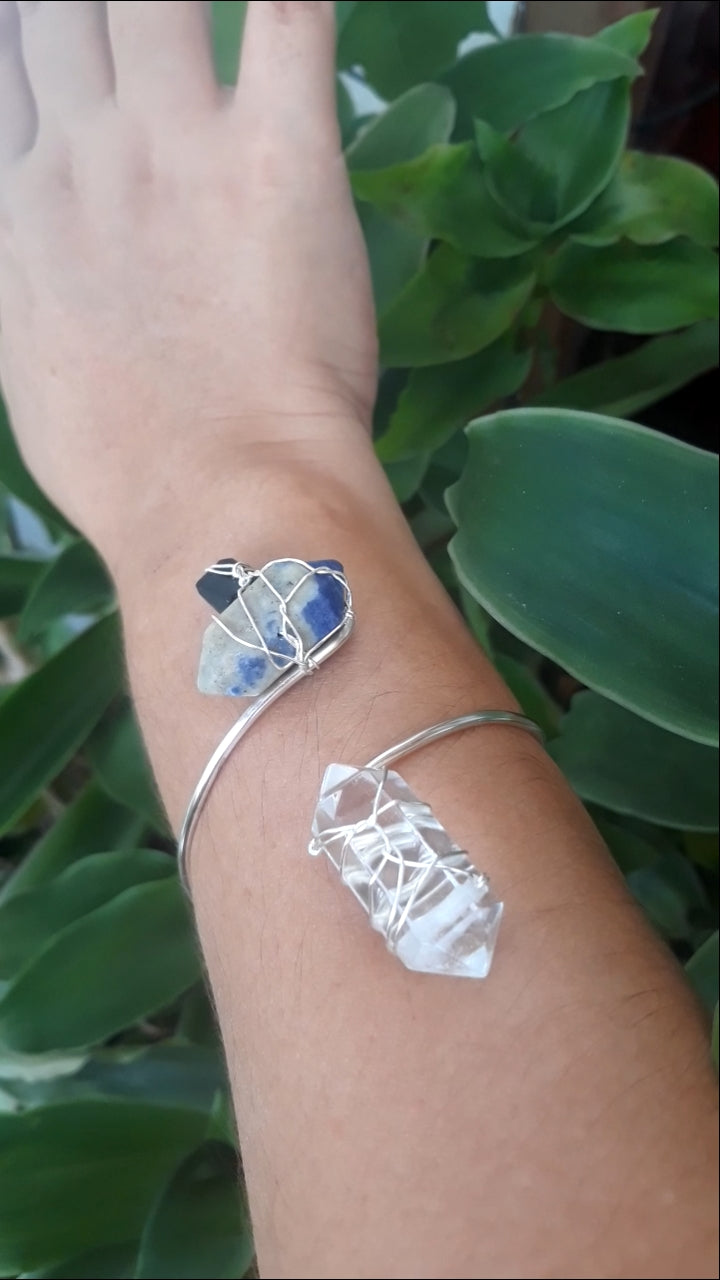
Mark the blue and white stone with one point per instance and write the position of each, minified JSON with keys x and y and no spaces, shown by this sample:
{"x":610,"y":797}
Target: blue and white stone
{"x":260,"y":637}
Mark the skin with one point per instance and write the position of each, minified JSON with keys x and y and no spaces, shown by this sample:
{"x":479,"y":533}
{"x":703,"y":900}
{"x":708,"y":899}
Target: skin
{"x":187,"y":351}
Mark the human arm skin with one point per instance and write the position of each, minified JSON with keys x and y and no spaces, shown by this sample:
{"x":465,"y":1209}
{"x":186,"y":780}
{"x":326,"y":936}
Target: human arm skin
{"x":191,"y":274}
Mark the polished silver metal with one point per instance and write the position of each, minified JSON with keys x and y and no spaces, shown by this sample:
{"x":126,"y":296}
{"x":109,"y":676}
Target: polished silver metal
{"x":305,"y":663}
{"x":445,"y":727}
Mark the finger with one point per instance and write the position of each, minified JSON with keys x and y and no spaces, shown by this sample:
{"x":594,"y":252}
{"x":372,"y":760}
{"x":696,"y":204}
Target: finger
{"x":161,"y":51}
{"x":18,"y":117}
{"x":67,"y":55}
{"x":287,"y":71}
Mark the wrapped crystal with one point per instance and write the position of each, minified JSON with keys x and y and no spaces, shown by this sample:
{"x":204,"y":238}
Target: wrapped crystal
{"x":273,"y":621}
{"x":421,"y":892}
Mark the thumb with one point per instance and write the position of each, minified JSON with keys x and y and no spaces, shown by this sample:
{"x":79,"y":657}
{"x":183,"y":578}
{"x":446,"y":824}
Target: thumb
{"x":286,"y":83}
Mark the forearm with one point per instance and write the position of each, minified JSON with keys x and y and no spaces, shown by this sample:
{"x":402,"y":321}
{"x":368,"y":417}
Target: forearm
{"x":393,"y":1123}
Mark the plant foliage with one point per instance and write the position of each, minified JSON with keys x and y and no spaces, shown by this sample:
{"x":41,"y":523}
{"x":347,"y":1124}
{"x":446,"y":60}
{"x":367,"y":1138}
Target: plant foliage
{"x":496,"y":190}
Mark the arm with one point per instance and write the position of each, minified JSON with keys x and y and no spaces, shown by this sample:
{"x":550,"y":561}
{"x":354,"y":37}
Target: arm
{"x":204,"y":294}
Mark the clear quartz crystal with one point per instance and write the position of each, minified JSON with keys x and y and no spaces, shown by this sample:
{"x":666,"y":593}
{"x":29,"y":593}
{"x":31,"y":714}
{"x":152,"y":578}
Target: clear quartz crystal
{"x":435,"y":911}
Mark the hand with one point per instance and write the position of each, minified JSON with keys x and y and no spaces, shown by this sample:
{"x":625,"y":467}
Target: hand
{"x":183,"y":283}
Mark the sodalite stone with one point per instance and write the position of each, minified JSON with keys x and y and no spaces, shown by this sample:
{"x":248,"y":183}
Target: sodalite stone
{"x":242,"y":668}
{"x":218,"y":589}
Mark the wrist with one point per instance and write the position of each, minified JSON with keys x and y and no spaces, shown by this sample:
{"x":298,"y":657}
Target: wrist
{"x":269,"y":493}
{"x":254,"y":502}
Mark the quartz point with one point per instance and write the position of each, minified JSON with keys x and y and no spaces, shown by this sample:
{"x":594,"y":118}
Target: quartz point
{"x":436,"y":912}
{"x":273,"y":622}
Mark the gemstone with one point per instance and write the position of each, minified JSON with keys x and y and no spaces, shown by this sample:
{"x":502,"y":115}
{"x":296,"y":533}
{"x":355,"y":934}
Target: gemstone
{"x":421,"y":892}
{"x":219,"y":588}
{"x":275,"y":621}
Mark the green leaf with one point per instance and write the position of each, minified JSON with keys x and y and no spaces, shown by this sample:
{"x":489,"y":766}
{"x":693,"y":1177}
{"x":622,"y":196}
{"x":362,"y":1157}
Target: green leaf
{"x":443,"y":195}
{"x":630,"y":851}
{"x":76,"y":581}
{"x":198,"y":1227}
{"x":167,"y":1074}
{"x":143,"y":956}
{"x":91,"y":824}
{"x":631,"y":34}
{"x":114,"y":1261}
{"x":663,"y":899}
{"x":406,"y":475}
{"x":29,"y":921}
{"x":455,"y":306}
{"x":507,"y":83}
{"x":395,"y":255}
{"x":623,"y":386}
{"x":438,"y":401}
{"x":534,"y":700}
{"x":421,"y":117}
{"x":76,"y":1176}
{"x":117,"y":754}
{"x":636,"y":288}
{"x":18,"y":575}
{"x":592,"y":540}
{"x":400,"y":45}
{"x":227,"y":22}
{"x":46,"y":718}
{"x":702,"y":970}
{"x":15,"y":476}
{"x":614,"y":758}
{"x":558,"y":162}
{"x":651,"y":199}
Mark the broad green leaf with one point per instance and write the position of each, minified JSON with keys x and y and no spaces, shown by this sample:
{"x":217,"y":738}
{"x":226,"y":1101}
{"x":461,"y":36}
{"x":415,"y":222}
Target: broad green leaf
{"x":507,"y":83}
{"x":651,"y":199}
{"x":661,"y":891}
{"x":406,"y":475}
{"x":395,"y":255}
{"x":636,"y":288}
{"x":631,"y":34}
{"x":438,"y":401}
{"x":15,"y":476}
{"x":76,"y":581}
{"x":443,"y":195}
{"x":198,"y":1227}
{"x":18,"y":575}
{"x":702,"y":970}
{"x":703,"y":848}
{"x":559,"y":161}
{"x":630,"y":851}
{"x":623,"y":386}
{"x":455,"y":306}
{"x":592,"y":540}
{"x":227,"y":22}
{"x":167,"y":1074}
{"x":534,"y":700}
{"x":343,"y":10}
{"x":91,"y":824}
{"x":29,"y":921}
{"x":143,"y":956}
{"x":614,"y":758}
{"x":110,"y":1262}
{"x":76,"y":1176}
{"x":400,"y":45}
{"x":46,"y":718}
{"x":117,"y":754}
{"x":420,"y":118}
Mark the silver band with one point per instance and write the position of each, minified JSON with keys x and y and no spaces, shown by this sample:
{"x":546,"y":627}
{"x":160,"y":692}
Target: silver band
{"x":209,"y":774}
{"x":436,"y":731}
